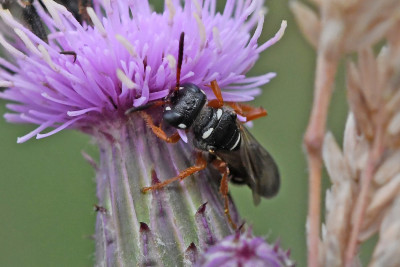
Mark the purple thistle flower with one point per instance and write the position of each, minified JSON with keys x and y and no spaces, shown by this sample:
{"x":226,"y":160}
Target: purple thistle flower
{"x":126,"y":56}
{"x":245,"y":250}
{"x":126,"y":60}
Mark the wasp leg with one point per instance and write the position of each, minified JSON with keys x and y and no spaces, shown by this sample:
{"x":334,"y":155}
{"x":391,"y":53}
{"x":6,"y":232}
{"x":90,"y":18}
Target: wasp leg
{"x":222,"y":167}
{"x":224,"y":190}
{"x":251,"y":113}
{"x":157,"y":130}
{"x":201,"y":164}
{"x":219,"y":101}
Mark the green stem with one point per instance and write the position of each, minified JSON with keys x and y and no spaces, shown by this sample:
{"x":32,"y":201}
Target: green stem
{"x":156,"y":228}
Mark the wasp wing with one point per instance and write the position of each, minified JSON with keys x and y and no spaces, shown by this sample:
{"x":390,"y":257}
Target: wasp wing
{"x":261,"y":167}
{"x":251,"y":164}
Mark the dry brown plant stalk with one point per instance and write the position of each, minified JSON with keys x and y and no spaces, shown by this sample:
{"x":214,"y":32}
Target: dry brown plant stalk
{"x":365,"y":192}
{"x":336,"y":28}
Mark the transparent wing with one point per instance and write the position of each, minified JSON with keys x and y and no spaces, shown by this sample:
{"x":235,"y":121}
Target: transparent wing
{"x":262,"y":170}
{"x":254,"y":166}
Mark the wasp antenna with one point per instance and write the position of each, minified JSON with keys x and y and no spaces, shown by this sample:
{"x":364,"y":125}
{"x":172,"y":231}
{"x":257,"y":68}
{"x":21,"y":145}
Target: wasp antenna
{"x":180,"y":59}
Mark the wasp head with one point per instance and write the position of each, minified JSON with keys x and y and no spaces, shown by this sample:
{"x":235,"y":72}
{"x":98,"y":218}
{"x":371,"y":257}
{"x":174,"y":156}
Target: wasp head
{"x":184,"y":106}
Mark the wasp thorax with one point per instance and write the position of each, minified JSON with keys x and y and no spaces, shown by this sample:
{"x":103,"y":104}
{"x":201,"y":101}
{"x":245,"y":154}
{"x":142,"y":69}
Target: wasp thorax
{"x":185,"y":106}
{"x":216,"y":129}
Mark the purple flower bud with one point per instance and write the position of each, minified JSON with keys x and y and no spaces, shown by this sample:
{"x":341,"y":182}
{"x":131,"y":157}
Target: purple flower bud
{"x":245,"y":250}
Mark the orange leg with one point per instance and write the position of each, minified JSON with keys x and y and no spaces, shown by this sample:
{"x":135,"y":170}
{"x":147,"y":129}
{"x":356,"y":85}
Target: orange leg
{"x":251,"y":113}
{"x":222,"y":167}
{"x":157,"y":130}
{"x":224,"y":190}
{"x":201,"y":164}
{"x":219,"y":102}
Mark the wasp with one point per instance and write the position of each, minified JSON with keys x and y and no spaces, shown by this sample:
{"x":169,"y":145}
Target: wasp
{"x":218,"y":137}
{"x":34,"y":22}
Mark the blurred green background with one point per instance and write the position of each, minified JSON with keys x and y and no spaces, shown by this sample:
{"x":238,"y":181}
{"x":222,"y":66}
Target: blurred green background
{"x":47,"y":190}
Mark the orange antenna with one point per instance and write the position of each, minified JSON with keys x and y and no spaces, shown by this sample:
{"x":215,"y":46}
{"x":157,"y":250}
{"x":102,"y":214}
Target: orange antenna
{"x":180,"y":59}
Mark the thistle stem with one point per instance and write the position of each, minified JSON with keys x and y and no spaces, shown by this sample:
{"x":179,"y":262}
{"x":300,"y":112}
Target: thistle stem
{"x":325,"y":75}
{"x":136,"y":229}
